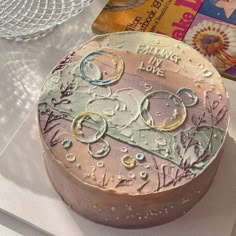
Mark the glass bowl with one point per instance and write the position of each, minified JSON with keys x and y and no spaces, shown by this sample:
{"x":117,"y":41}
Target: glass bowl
{"x":27,"y":19}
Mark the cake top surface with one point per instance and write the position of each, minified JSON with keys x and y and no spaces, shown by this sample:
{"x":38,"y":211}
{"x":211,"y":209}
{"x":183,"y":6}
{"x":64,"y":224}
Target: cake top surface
{"x":134,"y":113}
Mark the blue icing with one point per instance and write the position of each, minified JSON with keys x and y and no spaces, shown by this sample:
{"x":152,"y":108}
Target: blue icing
{"x":67,"y":143}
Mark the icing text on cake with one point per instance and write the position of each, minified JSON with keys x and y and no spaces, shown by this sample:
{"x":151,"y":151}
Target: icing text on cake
{"x":158,"y":52}
{"x":153,"y":66}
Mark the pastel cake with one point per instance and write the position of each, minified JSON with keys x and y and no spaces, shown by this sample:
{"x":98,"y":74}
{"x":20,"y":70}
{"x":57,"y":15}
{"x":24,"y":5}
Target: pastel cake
{"x":133,"y":126}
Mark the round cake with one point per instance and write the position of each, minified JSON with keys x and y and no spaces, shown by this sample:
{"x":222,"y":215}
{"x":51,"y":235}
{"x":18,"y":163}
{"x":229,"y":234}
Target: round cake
{"x":133,"y":126}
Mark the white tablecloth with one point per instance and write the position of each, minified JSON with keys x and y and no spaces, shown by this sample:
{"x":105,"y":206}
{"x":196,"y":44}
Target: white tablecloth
{"x":28,"y":203}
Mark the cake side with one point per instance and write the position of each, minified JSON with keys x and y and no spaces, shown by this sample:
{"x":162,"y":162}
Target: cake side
{"x":130,"y":212}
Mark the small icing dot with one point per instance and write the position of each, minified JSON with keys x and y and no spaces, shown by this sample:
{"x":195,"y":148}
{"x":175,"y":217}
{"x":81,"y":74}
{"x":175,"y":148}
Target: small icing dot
{"x":100,"y":164}
{"x":140,"y":218}
{"x":113,"y":209}
{"x":70,"y":157}
{"x":112,"y":179}
{"x":117,"y":217}
{"x":143,"y":174}
{"x":140,"y":156}
{"x":86,"y":175}
{"x":167,"y":104}
{"x":78,"y":166}
{"x":206,"y":73}
{"x":147,"y":166}
{"x":124,"y":149}
{"x":129,"y":208}
{"x":131,"y":175}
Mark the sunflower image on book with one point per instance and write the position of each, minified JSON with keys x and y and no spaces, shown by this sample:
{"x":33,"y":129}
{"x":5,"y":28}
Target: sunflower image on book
{"x":216,"y":41}
{"x":123,"y":4}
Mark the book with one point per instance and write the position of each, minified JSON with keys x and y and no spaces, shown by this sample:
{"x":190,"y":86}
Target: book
{"x":209,"y":26}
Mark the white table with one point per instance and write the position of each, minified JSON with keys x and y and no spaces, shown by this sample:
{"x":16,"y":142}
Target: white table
{"x":28,"y":203}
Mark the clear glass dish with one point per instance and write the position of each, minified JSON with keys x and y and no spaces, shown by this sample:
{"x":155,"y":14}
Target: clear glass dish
{"x":27,"y":19}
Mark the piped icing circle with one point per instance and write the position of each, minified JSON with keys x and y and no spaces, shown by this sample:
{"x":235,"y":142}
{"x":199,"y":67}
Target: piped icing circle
{"x":133,"y":114}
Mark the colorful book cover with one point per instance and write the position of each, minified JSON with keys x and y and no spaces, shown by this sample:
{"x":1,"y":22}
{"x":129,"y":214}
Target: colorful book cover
{"x":209,"y":26}
{"x":170,"y":17}
{"x":213,"y":33}
{"x":216,"y":40}
{"x":224,"y":10}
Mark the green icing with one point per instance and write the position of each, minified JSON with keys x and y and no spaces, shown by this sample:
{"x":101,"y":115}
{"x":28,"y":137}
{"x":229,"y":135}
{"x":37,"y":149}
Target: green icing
{"x":192,"y":148}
